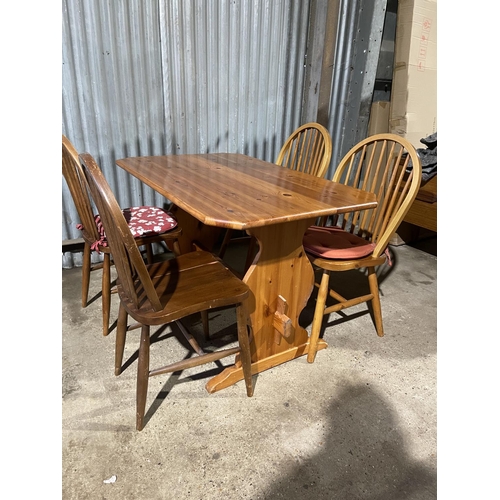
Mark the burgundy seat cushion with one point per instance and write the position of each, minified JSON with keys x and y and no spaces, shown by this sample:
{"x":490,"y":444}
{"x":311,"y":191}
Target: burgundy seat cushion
{"x":335,"y":243}
{"x":142,"y":221}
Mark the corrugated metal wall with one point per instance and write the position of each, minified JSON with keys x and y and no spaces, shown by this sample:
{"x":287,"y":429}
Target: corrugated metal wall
{"x":359,"y":38}
{"x":191,"y":76}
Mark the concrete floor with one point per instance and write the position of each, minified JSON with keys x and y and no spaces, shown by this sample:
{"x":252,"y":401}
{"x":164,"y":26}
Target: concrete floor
{"x":359,"y":423}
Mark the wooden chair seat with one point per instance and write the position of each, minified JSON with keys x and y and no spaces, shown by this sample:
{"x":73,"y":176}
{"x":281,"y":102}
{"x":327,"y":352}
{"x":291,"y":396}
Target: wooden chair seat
{"x":174,"y":281}
{"x":163,"y":292}
{"x":347,"y":264}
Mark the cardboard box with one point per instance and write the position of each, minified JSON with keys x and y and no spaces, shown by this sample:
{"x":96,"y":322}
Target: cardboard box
{"x":413,"y":113}
{"x":379,"y":118}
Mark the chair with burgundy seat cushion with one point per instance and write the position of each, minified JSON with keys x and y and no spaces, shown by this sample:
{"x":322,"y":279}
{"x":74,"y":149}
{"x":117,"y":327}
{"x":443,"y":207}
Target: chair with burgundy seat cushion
{"x":148,"y":224}
{"x":166,"y":292}
{"x":359,"y":240}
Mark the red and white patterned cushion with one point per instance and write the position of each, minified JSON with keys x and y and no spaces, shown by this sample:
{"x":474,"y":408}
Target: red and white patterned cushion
{"x":142,"y":221}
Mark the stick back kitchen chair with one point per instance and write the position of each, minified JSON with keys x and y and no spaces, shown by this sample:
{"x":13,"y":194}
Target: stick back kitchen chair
{"x":379,"y":164}
{"x":149,"y":224}
{"x":308,"y":149}
{"x":164,"y":292}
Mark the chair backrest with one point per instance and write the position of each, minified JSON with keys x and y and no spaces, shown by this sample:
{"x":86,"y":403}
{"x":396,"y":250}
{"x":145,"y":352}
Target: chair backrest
{"x":308,"y":150}
{"x":77,"y":184}
{"x":129,"y":264}
{"x":379,"y":164}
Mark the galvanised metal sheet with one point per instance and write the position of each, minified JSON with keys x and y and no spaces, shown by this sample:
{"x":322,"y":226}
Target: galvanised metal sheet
{"x":233,"y":74}
{"x":358,"y":43}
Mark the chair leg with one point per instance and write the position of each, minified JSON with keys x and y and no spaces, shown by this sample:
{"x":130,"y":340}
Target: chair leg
{"x":250,"y":253}
{"x":142,"y":377}
{"x":106,"y":293}
{"x":225,"y":243}
{"x":377,"y":309}
{"x":176,"y":248}
{"x":121,"y":334}
{"x":204,"y":321}
{"x":246,"y":359}
{"x":86,"y":265}
{"x":149,"y":253}
{"x":318,"y":316}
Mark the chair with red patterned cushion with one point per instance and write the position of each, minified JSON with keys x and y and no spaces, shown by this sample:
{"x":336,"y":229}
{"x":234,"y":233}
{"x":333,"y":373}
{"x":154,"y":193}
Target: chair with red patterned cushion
{"x":166,"y":292}
{"x":148,"y":225}
{"x":359,"y":240}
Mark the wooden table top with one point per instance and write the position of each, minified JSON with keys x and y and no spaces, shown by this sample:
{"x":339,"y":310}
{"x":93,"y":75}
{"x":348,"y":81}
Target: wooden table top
{"x":240,"y":192}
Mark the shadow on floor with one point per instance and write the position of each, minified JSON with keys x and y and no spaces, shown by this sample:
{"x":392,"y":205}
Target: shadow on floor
{"x":363,"y":457}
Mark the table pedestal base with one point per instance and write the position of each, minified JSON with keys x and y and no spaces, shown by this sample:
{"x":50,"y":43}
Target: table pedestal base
{"x":234,"y":373}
